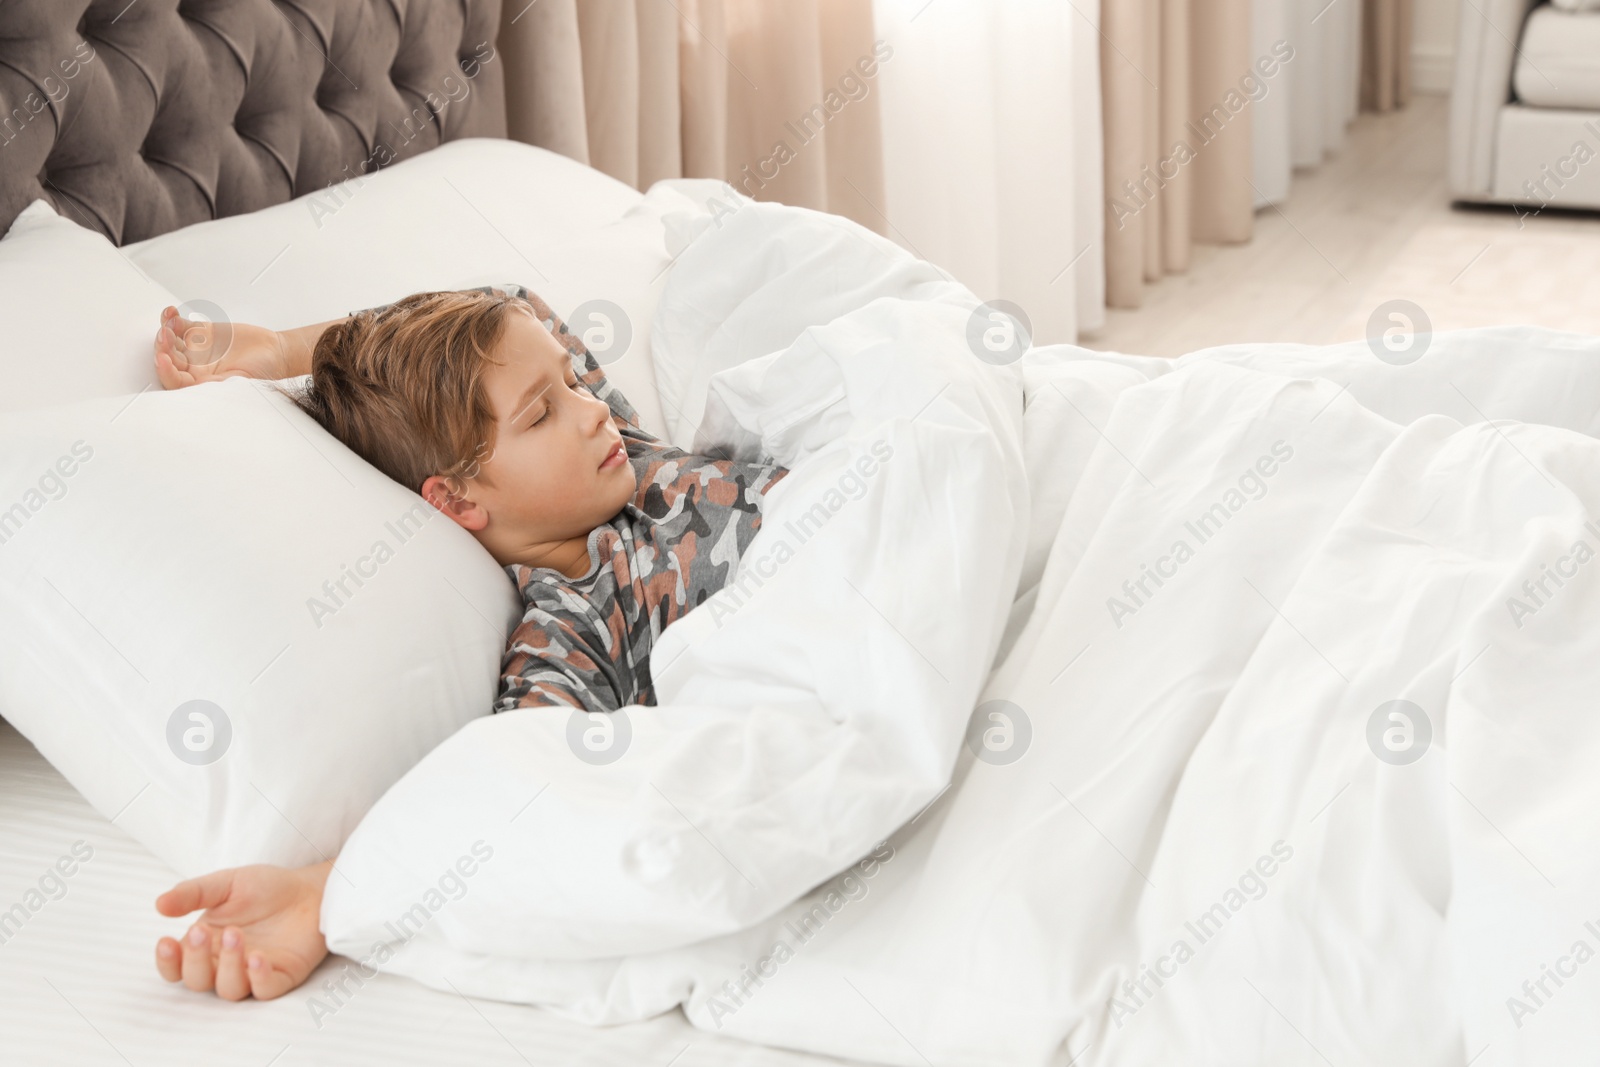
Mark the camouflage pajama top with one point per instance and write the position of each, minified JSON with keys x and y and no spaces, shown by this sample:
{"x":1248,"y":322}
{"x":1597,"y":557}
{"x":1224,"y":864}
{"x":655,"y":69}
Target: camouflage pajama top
{"x":586,"y":642}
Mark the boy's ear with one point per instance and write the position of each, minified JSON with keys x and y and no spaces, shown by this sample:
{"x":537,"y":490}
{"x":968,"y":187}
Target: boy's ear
{"x":440,"y":492}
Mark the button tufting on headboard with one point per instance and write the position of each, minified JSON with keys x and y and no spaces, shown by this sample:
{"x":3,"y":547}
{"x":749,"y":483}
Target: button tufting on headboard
{"x":138,"y":118}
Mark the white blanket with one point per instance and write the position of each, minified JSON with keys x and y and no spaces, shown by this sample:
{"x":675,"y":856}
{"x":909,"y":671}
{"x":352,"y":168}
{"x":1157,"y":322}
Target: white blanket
{"x":1200,"y":831}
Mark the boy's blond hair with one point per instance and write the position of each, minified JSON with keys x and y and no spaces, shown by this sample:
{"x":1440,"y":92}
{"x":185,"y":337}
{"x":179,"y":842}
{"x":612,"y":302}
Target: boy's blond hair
{"x":402,"y":386}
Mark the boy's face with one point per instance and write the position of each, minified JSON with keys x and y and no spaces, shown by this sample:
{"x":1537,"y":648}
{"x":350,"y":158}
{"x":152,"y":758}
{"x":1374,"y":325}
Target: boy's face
{"x":546,"y":480}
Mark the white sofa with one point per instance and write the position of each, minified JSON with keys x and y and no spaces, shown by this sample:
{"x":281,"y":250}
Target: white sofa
{"x":1525,"y":106}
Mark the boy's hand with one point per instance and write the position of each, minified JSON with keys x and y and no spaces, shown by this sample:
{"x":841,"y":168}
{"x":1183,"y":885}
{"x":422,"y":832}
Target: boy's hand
{"x":260,"y":933}
{"x":189,"y":352}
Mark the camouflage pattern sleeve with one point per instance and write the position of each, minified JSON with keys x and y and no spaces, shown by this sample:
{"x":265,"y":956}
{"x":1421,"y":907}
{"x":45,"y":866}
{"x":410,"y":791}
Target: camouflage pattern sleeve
{"x":548,"y":662}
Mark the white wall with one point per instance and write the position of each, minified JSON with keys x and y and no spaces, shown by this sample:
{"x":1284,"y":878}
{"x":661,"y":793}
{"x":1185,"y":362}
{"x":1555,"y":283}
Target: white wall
{"x":1433,"y":45}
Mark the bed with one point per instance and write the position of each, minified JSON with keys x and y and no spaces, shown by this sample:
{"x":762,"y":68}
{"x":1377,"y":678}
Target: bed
{"x":1248,"y":721}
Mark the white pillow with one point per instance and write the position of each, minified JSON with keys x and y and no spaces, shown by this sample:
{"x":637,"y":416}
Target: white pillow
{"x":79,"y":315}
{"x":471,"y":212}
{"x":215,"y":544}
{"x":1577,"y":5}
{"x":479,"y":206}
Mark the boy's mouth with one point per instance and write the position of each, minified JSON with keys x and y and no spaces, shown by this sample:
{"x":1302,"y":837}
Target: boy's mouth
{"x":615,"y":457}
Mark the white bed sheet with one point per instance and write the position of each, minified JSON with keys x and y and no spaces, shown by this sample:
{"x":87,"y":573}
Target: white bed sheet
{"x":78,"y":983}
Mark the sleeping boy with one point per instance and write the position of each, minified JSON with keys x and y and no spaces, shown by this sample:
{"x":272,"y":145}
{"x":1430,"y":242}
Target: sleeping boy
{"x":487,"y":406}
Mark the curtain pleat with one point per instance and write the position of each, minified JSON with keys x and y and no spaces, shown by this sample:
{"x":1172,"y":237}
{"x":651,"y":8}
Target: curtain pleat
{"x":1177,"y":169}
{"x":544,"y":76}
{"x":660,"y":105}
{"x":775,"y":60}
{"x":703,"y":87}
{"x":991,"y":147}
{"x":1156,"y":87}
{"x":1176,"y":205}
{"x":1220,"y":58}
{"x":1123,"y":83}
{"x":608,"y":36}
{"x":1386,"y":54}
{"x":803,"y":123}
{"x":1088,"y":171}
{"x":855,"y":185}
{"x":1270,"y":118}
{"x":1349,"y":56}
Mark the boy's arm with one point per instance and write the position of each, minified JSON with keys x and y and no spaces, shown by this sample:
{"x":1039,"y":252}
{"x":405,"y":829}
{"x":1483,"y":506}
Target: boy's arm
{"x":192,"y":351}
{"x":300,"y":342}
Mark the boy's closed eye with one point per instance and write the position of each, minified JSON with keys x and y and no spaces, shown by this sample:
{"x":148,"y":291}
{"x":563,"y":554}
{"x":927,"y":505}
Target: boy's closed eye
{"x":545,"y":413}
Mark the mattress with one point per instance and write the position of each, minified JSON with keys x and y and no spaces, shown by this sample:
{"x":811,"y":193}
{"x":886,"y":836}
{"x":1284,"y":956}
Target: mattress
{"x":1558,"y":61}
{"x":78,"y":983}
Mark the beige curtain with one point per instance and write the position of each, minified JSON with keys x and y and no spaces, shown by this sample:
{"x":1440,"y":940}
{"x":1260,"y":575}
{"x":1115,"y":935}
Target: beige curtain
{"x":1386,"y":54}
{"x":774,"y":98}
{"x":1177,"y":135}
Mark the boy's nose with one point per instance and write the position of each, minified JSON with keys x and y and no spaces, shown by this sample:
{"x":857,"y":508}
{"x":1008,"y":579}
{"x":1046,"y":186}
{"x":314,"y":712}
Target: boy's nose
{"x":602,"y":411}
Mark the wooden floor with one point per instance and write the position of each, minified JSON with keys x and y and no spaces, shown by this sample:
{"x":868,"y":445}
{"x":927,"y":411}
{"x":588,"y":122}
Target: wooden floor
{"x":1371,"y":224}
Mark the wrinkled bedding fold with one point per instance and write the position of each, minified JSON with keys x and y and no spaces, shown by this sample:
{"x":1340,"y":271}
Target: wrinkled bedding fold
{"x":1295,"y":727}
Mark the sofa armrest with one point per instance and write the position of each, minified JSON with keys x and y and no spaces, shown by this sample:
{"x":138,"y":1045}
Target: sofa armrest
{"x":1486,"y":48}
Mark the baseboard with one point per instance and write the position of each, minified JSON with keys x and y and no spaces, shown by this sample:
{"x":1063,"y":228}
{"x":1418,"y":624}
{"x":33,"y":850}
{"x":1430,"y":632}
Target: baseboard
{"x":1432,"y":68}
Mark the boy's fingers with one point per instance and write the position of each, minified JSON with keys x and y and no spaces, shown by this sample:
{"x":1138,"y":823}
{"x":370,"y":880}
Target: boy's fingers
{"x":174,"y":345}
{"x":232,"y":984}
{"x":199,"y":972}
{"x":169,"y":959}
{"x":207,"y":891}
{"x":266,"y":981}
{"x":196,"y":341}
{"x":170,"y":376}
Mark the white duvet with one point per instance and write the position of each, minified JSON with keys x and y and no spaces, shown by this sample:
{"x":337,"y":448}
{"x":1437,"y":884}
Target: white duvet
{"x":1183,"y":598}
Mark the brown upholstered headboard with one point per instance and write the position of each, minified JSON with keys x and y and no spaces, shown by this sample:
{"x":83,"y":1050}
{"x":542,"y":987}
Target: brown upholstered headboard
{"x":136,"y":117}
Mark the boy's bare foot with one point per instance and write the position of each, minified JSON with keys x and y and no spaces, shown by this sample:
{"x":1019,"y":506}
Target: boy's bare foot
{"x":260,"y":934}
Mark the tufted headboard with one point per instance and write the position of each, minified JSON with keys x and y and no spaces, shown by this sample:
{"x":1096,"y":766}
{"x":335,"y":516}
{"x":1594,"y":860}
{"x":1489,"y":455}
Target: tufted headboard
{"x":136,"y":117}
